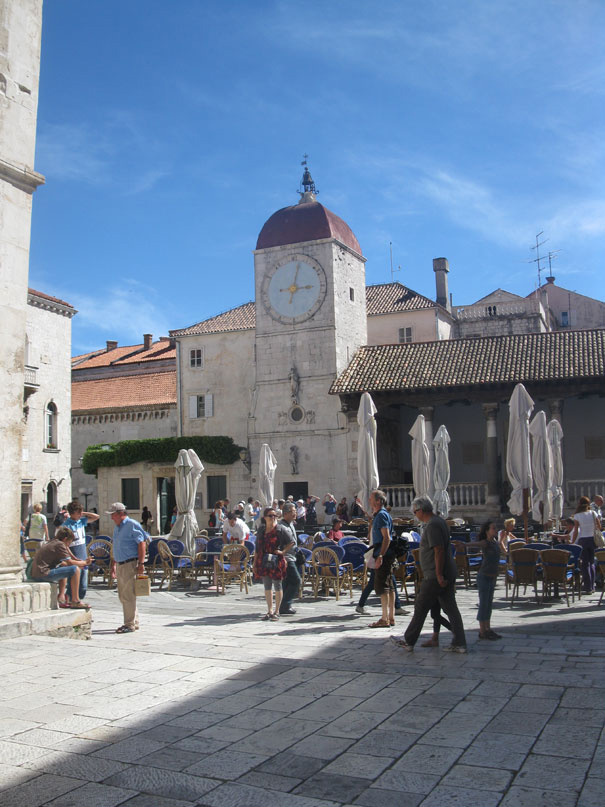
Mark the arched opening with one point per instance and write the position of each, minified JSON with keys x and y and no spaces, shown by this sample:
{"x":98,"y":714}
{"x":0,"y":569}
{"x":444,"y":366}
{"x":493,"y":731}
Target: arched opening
{"x":51,"y":498}
{"x":50,"y":425}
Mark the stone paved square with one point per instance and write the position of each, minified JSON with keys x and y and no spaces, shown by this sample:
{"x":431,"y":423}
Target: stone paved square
{"x":208,"y":706}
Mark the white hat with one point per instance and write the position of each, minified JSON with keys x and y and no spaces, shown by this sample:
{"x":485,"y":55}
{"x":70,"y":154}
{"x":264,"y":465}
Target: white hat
{"x":116,"y":507}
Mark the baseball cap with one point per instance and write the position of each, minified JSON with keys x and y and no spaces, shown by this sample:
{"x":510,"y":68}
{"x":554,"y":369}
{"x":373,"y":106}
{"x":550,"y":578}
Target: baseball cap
{"x":116,"y":507}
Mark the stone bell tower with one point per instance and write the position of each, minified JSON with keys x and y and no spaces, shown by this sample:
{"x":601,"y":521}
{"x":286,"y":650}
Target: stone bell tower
{"x":310,"y":319}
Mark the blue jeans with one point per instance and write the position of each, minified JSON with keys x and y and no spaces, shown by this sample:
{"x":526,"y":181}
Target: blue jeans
{"x":80,"y":552}
{"x":486,"y":586}
{"x":291,"y":586}
{"x":60,"y":573}
{"x":370,"y":588}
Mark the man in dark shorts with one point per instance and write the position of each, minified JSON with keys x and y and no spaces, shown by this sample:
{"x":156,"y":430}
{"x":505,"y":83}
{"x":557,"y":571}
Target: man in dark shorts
{"x":439,"y":579}
{"x":380,"y":532}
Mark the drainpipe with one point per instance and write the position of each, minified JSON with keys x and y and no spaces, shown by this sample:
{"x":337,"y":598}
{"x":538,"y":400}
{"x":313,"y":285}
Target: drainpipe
{"x":179,"y":396}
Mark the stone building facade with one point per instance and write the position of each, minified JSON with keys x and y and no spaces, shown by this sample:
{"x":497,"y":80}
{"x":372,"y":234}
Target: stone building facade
{"x":20,"y":31}
{"x":46,"y":456}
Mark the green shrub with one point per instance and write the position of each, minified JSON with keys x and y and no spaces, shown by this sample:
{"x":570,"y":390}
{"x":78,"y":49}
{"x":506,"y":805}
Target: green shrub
{"x":217,"y":450}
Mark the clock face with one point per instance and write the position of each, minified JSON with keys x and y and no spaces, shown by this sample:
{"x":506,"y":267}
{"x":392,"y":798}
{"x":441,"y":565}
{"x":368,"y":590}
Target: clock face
{"x":294,"y":291}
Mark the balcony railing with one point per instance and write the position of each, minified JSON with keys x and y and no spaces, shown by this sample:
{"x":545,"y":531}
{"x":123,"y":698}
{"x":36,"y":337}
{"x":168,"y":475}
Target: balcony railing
{"x":31,"y":377}
{"x":466,"y":495}
{"x":574,"y":488}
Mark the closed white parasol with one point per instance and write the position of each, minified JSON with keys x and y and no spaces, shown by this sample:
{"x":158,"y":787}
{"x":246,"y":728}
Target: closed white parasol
{"x":441,"y":474}
{"x":266,"y":475}
{"x":541,"y":463}
{"x":188,"y":471}
{"x":367,"y":461}
{"x":420,"y":458}
{"x":518,"y":459}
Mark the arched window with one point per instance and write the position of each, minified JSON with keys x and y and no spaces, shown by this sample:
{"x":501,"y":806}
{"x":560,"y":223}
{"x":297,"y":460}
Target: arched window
{"x":51,"y":497}
{"x":50,"y":425}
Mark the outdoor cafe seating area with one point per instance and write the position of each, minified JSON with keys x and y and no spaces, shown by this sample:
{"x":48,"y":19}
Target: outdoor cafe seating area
{"x":536,"y":571}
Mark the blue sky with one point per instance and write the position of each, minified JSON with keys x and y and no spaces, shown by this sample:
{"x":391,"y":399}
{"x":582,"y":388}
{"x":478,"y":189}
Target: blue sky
{"x":169,"y":132}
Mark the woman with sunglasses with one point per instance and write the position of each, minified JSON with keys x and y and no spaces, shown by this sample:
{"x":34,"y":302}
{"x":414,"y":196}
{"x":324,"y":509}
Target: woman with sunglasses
{"x":269,"y":560}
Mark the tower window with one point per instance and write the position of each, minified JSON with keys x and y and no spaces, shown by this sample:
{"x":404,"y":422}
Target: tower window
{"x":405,"y":335}
{"x":564,"y":319}
{"x":351,"y":294}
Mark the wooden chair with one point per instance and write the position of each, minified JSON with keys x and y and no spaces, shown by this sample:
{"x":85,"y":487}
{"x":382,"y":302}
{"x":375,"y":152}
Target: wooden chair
{"x":232,"y":565}
{"x":599,"y":556}
{"x":523,"y":572}
{"x":556,"y":571}
{"x":181,"y":565}
{"x":462,"y":565}
{"x":101,"y":552}
{"x":330,"y":572}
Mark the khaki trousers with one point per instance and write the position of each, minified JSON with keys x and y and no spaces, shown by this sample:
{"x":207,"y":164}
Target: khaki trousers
{"x":126,"y":575}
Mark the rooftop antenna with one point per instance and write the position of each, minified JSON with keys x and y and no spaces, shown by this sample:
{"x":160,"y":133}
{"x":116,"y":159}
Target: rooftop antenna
{"x":538,"y":257}
{"x":393,"y":271}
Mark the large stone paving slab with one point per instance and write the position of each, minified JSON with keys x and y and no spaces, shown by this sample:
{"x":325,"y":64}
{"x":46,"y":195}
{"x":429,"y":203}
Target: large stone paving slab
{"x":208,"y":706}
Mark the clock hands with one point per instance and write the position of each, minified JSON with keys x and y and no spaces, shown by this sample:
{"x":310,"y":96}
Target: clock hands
{"x":293,"y":288}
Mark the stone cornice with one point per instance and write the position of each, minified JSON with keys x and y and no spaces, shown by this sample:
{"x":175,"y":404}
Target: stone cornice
{"x":22,"y":178}
{"x":50,"y":305}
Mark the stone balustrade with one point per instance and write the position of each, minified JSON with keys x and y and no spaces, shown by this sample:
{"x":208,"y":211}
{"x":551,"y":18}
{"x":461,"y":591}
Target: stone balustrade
{"x":466,"y":495}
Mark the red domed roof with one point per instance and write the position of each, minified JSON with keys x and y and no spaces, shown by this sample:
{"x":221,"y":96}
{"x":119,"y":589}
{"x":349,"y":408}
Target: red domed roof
{"x":306,"y":221}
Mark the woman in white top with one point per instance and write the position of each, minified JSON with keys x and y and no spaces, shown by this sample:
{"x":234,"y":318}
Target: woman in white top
{"x":38,"y":527}
{"x":506,"y":535}
{"x":584,"y":522}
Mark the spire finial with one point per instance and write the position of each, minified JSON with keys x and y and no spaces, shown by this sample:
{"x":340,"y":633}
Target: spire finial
{"x":309,"y":191}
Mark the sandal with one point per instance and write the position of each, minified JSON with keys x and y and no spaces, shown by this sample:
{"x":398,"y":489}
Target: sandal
{"x":381,"y":623}
{"x":82,"y":606}
{"x":433,"y":642}
{"x":125,"y":629}
{"x":392,"y":623}
{"x":62,"y":604}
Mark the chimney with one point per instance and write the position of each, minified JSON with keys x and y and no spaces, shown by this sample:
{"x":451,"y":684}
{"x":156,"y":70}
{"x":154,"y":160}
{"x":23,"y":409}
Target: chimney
{"x":147,"y":340}
{"x":550,"y":279}
{"x":111,"y":345}
{"x":441,"y":268}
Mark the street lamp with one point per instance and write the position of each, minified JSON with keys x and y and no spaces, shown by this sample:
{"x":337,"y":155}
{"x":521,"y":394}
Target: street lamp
{"x":86,"y":492}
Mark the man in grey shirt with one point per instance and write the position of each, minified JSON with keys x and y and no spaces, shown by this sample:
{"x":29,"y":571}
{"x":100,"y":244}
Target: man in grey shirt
{"x":291,"y":584}
{"x":439,"y":579}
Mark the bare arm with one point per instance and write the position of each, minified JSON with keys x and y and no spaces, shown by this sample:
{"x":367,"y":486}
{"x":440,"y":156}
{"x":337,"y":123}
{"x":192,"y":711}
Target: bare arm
{"x":386,"y":539}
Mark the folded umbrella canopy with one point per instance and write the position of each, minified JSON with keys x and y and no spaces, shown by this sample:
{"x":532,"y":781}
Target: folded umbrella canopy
{"x":421,"y":461}
{"x":541,"y":463}
{"x":518,"y":458}
{"x":441,"y":474}
{"x":188,"y":471}
{"x":266,"y":475}
{"x":367,"y":461}
{"x":555,"y":438}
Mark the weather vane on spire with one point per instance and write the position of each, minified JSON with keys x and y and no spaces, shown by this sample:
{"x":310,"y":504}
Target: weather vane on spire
{"x":308,"y":186}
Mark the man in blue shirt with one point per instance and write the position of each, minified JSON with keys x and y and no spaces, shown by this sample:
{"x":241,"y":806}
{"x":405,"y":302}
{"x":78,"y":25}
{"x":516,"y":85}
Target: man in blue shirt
{"x":129,"y":548}
{"x":381,"y":527}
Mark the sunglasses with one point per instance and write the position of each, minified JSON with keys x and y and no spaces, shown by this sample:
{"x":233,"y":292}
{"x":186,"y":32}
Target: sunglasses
{"x":271,"y":515}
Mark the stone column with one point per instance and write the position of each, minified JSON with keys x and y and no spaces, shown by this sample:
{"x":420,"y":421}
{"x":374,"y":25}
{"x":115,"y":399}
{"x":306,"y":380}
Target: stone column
{"x":490,"y":411}
{"x":555,"y":408}
{"x":428,"y":411}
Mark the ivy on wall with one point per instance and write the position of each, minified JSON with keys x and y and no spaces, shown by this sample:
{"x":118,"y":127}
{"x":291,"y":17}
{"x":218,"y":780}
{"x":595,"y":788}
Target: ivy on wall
{"x":217,"y":450}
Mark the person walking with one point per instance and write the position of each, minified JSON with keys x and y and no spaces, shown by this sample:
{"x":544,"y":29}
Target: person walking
{"x":487,"y":576}
{"x":292,"y":581}
{"x":439,"y":580}
{"x":381,"y":527}
{"x":585,"y":523}
{"x":270,"y":562}
{"x":129,"y":548}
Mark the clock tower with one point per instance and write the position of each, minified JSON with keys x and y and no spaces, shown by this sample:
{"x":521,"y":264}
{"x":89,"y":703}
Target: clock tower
{"x":310,"y":320}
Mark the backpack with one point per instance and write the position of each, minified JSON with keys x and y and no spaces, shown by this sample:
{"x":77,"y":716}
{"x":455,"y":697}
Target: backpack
{"x":58,"y":519}
{"x":212,"y":520}
{"x":399,"y":546}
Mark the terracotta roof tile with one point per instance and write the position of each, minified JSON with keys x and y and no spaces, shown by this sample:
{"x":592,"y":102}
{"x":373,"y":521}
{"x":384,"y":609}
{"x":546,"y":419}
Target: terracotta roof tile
{"x":159,"y":350}
{"x":558,"y":356}
{"x":125,"y":392}
{"x":108,"y":357}
{"x":49,"y":297}
{"x":384,"y":298}
{"x":390,"y":298}
{"x":242,"y":318}
{"x":125,"y":354}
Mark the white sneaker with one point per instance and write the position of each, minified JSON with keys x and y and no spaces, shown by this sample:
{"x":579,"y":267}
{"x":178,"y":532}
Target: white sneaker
{"x":363,"y":611}
{"x":401,"y":642}
{"x":455,"y":648}
{"x":400,"y":611}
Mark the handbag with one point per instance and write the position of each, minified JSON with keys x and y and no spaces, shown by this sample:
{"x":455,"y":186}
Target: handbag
{"x":369,"y":558}
{"x":599,"y":541}
{"x":142,"y":586}
{"x":270,"y":561}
